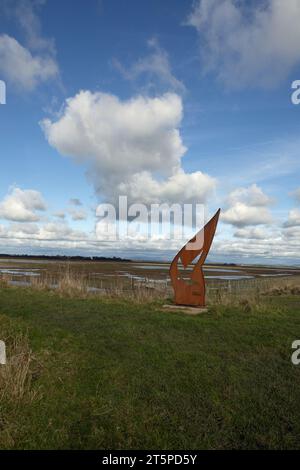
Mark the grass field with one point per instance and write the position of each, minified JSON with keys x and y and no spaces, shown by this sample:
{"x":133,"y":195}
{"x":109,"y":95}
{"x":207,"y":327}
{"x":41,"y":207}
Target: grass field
{"x":92,"y":373}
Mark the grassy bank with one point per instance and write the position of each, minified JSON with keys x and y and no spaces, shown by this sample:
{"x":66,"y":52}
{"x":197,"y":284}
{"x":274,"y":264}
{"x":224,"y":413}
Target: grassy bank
{"x":104,"y":373}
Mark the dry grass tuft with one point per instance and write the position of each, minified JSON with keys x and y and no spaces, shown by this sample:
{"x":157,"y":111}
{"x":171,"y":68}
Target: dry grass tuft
{"x":284,"y":290}
{"x":16,"y":381}
{"x":73,"y":284}
{"x":5,"y":280}
{"x":17,"y":375}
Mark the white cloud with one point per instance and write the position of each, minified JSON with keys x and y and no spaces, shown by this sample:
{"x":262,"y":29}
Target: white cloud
{"x":78,"y":214}
{"x":60,"y":232}
{"x":271,"y":243}
{"x":179,"y":187}
{"x":75,"y":213}
{"x":62,"y":237}
{"x":127,"y":145}
{"x":23,"y":230}
{"x":21,"y":205}
{"x":53,"y":236}
{"x":293,"y":219}
{"x":24,"y":70}
{"x":276,"y":246}
{"x":292,"y":233}
{"x":155,"y":66}
{"x":248,"y":206}
{"x":252,"y":195}
{"x":254,"y":233}
{"x":49,"y":234}
{"x":242,"y":215}
{"x":248,"y":44}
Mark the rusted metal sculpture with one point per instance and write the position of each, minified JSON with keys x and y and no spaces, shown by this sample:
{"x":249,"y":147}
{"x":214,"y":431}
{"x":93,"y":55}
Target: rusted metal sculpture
{"x":191,"y":292}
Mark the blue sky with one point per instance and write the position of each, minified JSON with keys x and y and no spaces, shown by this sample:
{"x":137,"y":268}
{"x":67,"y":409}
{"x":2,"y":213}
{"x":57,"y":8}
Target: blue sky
{"x":174,"y":101}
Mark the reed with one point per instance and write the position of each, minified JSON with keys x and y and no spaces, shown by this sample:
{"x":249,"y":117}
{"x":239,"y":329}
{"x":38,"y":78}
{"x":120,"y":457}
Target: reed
{"x":5,"y":280}
{"x":70,"y":283}
{"x":17,"y":374}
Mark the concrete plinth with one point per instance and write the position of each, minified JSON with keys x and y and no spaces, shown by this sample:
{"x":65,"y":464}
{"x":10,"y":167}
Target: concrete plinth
{"x":185,"y":309}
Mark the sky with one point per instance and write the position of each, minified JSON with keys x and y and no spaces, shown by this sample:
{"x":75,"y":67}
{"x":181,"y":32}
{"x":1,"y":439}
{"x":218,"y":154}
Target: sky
{"x":169,"y":102}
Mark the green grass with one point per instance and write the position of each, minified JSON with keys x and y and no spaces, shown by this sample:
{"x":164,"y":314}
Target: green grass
{"x":116,"y":375}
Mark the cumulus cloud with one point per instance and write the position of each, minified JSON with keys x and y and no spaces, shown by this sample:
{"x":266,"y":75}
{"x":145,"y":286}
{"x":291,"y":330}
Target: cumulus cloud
{"x":22,"y":205}
{"x":23,"y":227}
{"x":60,"y":232}
{"x":252,"y":196}
{"x":24,"y":70}
{"x":293,"y":218}
{"x":242,"y":215}
{"x":177,"y":188}
{"x":128,"y":145}
{"x":247,"y":206}
{"x":254,"y":233}
{"x":23,"y":230}
{"x":155,"y":66}
{"x":78,"y":214}
{"x":248,"y":43}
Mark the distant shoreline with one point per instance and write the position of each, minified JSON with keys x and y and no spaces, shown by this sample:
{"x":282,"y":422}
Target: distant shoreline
{"x":66,"y":258}
{"x":108,"y":259}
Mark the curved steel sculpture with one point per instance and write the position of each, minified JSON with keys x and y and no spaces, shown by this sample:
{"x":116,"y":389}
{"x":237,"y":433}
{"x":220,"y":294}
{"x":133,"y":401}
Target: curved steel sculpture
{"x":192,"y":292}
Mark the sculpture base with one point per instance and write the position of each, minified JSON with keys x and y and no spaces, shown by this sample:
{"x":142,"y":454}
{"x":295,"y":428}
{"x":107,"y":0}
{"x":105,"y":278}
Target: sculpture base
{"x":185,"y":309}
